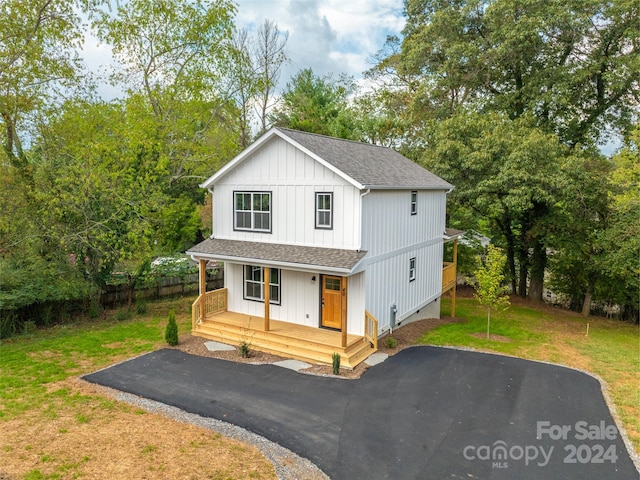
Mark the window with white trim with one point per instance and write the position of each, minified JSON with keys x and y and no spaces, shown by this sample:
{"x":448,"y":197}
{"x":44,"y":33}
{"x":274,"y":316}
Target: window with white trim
{"x":254,"y":284}
{"x":252,"y":211}
{"x":324,"y":210}
{"x":412,"y":269}
{"x":414,"y":202}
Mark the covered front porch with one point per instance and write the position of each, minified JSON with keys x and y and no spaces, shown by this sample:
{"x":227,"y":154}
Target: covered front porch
{"x":212,"y":320}
{"x":296,"y":301}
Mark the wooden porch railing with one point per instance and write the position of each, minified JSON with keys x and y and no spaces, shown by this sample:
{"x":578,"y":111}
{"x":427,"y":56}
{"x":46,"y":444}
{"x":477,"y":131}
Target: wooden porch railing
{"x":448,"y":276}
{"x":208,"y":303}
{"x":371,"y":329}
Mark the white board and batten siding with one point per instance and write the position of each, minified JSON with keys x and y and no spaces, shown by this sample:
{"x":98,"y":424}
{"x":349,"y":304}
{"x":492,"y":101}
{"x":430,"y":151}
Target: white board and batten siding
{"x":392,"y":236}
{"x":299,"y":298}
{"x":293,"y":178}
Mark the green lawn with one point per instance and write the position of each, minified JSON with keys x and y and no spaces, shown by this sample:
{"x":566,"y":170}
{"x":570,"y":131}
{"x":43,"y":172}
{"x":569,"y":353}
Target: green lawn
{"x":36,"y":370}
{"x":55,"y":427}
{"x":30,"y":363}
{"x":611,"y":349}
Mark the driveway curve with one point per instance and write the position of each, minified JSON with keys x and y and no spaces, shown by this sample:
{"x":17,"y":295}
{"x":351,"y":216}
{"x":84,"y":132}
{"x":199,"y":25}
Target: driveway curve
{"x":425,"y":413}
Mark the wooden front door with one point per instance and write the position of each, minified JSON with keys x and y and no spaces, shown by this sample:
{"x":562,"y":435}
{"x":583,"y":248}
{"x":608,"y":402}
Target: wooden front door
{"x":331,"y":302}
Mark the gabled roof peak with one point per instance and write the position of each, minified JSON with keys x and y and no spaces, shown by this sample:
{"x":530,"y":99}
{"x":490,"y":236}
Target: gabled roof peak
{"x":363,"y":164}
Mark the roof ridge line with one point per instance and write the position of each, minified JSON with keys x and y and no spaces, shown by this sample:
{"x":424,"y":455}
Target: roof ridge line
{"x":335,"y":138}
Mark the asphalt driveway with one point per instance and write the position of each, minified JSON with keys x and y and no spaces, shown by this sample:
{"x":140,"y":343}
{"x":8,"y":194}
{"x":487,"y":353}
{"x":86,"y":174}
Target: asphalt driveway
{"x":425,"y":413}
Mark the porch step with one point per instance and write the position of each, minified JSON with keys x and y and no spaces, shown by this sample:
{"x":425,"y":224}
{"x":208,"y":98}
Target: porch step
{"x":314,"y":350}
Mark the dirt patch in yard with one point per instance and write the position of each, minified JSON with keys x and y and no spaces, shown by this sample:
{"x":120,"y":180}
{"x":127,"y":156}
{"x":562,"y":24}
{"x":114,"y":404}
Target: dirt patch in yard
{"x":104,"y":439}
{"x":492,"y":337}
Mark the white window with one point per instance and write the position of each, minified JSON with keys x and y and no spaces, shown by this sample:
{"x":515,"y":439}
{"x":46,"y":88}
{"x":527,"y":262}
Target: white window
{"x":254,"y":284}
{"x":414,"y":202}
{"x":252,"y":211}
{"x":412,"y":269}
{"x":324,"y":210}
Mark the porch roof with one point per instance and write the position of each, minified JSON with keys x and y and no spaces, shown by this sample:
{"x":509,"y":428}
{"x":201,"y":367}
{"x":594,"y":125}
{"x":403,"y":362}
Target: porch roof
{"x":294,"y":257}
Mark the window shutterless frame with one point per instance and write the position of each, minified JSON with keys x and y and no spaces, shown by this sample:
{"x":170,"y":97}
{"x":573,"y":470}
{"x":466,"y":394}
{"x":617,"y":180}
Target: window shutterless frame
{"x":252,"y":211}
{"x":324,"y":210}
{"x":253,"y":284}
{"x":414,"y":202}
{"x":412,"y":269}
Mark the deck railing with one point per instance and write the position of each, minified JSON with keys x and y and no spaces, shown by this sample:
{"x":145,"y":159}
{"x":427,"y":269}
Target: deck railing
{"x":371,"y":329}
{"x":448,"y":276}
{"x":208,"y":303}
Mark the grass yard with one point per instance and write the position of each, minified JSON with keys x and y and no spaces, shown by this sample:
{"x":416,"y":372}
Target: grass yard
{"x":54,"y":426}
{"x":611,"y":350}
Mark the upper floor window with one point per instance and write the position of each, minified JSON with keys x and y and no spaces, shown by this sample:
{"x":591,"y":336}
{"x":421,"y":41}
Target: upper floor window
{"x":324,"y":210}
{"x":254,"y":284}
{"x":414,"y":202}
{"x":412,"y":269}
{"x":252,"y":211}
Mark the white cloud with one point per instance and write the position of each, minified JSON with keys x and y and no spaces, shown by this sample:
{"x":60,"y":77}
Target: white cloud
{"x":329,"y":36}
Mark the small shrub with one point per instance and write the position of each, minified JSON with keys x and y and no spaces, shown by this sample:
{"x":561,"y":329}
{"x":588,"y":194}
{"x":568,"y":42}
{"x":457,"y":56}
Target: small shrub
{"x":141,"y":307}
{"x":336,"y":363}
{"x":244,"y":349}
{"x":171,"y":332}
{"x":391,"y":342}
{"x":245,"y":343}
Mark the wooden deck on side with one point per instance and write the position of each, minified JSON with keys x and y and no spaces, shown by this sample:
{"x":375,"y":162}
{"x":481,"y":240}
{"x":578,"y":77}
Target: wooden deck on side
{"x":314,"y":345}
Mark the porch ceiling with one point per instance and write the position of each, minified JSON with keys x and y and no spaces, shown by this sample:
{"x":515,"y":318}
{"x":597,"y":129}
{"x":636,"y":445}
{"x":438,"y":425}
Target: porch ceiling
{"x":295,"y":257}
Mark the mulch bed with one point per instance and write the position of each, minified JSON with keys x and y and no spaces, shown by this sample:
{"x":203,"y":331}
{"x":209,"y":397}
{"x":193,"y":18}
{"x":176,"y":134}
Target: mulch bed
{"x":405,"y":336}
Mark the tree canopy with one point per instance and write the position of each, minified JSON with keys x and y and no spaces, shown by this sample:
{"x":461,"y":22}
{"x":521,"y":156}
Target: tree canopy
{"x":316,"y":104}
{"x":508,"y":100}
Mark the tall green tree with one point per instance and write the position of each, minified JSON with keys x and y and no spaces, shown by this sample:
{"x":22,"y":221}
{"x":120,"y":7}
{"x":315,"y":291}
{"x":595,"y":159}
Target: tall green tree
{"x":172,"y":50}
{"x":33,"y":272}
{"x":98,"y":187}
{"x":569,"y":68}
{"x":621,"y":240}
{"x":39,"y":42}
{"x":574,"y":230}
{"x":317,"y":105}
{"x":573,"y":65}
{"x":507,"y":173}
{"x":174,"y":55}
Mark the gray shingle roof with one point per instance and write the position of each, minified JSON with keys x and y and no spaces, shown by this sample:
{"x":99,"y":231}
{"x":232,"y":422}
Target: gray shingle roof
{"x":332,"y":258}
{"x":369,"y":165}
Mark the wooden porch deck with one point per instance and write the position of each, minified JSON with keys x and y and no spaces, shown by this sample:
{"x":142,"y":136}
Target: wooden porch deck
{"x":309,"y":344}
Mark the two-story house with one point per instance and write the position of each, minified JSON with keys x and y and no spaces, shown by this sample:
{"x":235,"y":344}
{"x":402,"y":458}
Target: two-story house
{"x":326,"y":244}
